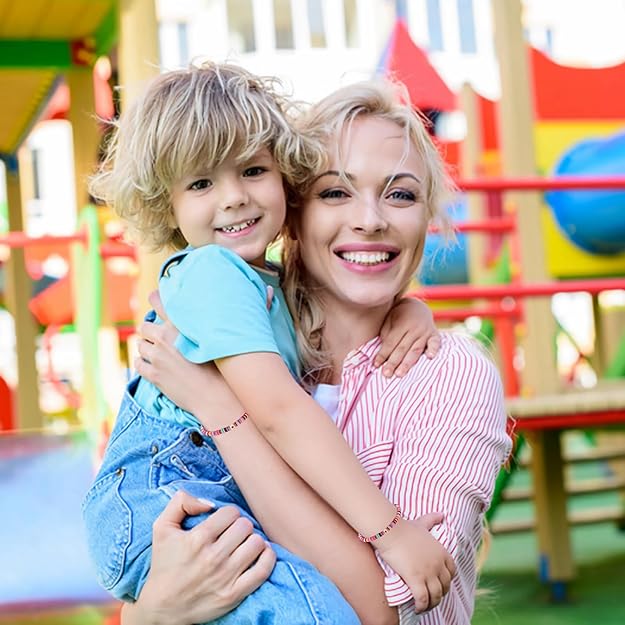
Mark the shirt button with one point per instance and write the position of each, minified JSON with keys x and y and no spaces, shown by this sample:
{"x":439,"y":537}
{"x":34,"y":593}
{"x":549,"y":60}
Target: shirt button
{"x":154,"y":449}
{"x":196,"y":438}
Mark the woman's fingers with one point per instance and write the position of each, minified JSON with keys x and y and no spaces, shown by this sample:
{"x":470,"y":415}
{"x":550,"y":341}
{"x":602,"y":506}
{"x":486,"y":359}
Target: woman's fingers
{"x":179,"y":507}
{"x":233,"y":536}
{"x":256,"y":574}
{"x":246,"y":553}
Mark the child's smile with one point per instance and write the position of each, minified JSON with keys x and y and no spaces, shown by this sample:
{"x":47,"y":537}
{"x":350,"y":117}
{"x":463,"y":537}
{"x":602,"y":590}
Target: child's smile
{"x":241,"y":206}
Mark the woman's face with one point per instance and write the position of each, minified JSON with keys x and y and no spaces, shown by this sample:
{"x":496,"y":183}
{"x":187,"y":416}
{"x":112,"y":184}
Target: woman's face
{"x":362,"y":241}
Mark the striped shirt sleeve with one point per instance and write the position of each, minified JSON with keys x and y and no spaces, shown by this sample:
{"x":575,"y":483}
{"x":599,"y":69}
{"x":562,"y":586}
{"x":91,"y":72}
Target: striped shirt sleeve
{"x":449,"y":446}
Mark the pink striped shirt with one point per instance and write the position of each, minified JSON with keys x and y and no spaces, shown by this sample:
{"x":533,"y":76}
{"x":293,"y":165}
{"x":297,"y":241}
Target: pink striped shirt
{"x":433,"y":441}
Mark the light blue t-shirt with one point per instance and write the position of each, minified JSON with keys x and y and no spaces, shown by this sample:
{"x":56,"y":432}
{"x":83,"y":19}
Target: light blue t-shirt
{"x":218,"y":303}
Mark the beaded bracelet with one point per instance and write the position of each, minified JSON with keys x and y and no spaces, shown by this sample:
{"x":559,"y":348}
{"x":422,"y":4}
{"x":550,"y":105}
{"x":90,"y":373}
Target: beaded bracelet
{"x":233,"y":425}
{"x":386,"y":530}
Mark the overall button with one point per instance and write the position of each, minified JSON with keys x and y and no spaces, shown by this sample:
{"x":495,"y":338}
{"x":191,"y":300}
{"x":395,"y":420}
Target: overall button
{"x":196,"y":438}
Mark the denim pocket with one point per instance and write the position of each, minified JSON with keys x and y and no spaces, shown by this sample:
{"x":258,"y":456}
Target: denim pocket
{"x":187,"y":458}
{"x":108,"y":526}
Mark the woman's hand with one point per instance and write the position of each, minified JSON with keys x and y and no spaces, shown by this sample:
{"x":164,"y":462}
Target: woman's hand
{"x":408,"y":331}
{"x":419,"y":559}
{"x":200,"y":574}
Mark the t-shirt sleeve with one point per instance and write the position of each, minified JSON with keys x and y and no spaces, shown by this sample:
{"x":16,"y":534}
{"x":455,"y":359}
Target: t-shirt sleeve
{"x":218,"y":304}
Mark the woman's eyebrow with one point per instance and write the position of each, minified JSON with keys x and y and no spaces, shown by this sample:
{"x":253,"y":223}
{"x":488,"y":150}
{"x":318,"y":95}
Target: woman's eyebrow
{"x":335,"y":173}
{"x":403,"y":174}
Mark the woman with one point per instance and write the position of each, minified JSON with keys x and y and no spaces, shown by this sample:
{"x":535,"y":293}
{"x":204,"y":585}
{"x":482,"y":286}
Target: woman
{"x":433,"y":440}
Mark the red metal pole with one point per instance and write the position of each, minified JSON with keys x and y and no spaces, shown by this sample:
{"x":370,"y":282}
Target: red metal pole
{"x":542,"y":184}
{"x":496,"y":224}
{"x":20,"y":239}
{"x":464,"y":291}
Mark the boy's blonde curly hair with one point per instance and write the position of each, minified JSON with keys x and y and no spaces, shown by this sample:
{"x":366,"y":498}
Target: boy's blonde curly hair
{"x":190,"y":121}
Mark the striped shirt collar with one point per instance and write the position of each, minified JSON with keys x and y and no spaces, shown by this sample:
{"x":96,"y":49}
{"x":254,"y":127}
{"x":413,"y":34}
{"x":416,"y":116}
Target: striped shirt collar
{"x":363,"y":354}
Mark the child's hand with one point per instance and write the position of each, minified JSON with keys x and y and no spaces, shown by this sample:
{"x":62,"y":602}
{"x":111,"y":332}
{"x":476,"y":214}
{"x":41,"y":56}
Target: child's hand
{"x":407,"y":332}
{"x":419,"y":559}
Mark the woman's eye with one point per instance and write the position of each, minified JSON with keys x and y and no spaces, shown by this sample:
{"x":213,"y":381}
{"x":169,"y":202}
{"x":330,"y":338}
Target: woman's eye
{"x":331,"y":194}
{"x":402,"y":195}
{"x":199,"y":185}
{"x":254,"y":171}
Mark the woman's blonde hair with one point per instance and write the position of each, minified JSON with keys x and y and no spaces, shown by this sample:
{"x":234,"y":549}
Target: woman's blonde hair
{"x":327,"y":122}
{"x":190,"y":121}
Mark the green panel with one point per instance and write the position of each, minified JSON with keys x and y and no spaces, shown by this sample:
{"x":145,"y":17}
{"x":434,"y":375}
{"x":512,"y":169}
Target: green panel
{"x":4,"y":217}
{"x":106,"y":35}
{"x":22,"y":53}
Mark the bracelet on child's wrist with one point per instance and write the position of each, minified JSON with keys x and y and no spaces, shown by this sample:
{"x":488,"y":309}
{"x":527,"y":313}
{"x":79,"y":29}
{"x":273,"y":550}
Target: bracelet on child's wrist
{"x":386,"y":530}
{"x":234,"y":424}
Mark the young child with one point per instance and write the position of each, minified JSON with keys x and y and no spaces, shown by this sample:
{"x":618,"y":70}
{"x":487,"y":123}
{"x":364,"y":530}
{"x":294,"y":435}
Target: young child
{"x":206,"y":161}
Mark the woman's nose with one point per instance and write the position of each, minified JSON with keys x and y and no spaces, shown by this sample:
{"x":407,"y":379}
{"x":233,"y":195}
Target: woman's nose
{"x":368,"y":217}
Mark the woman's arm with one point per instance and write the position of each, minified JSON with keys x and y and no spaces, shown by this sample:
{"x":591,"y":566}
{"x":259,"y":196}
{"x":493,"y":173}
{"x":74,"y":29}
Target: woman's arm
{"x":201,"y":574}
{"x":301,"y":522}
{"x":452,"y":445}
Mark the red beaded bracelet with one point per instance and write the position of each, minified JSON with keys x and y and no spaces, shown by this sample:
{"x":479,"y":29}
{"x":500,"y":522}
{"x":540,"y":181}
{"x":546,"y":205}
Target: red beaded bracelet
{"x":386,"y":530}
{"x":233,"y":425}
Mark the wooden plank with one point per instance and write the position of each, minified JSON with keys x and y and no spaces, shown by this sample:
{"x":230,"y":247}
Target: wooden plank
{"x":580,"y":487}
{"x":591,"y":516}
{"x":138,"y":62}
{"x":18,"y":293}
{"x":550,"y":505}
{"x":595,"y":454}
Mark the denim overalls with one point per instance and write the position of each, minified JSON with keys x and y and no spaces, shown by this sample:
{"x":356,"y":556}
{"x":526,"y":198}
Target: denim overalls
{"x":147,"y":460}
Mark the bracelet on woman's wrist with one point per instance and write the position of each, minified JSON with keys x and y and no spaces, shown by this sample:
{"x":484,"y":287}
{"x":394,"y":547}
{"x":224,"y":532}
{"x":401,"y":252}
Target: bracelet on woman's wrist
{"x":234,"y":424}
{"x":386,"y":530}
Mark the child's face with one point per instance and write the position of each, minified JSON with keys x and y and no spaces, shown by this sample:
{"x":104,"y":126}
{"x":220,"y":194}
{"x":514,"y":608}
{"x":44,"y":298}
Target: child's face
{"x":241,"y":206}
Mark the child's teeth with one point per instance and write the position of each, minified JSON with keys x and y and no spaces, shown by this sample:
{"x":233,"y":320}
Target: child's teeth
{"x":239,"y":227}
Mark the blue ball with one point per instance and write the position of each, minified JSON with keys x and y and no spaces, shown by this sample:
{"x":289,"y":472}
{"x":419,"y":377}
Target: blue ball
{"x":592,"y":220}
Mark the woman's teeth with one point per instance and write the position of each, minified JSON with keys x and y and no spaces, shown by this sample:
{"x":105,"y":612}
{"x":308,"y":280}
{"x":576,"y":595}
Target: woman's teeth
{"x":365,"y":258}
{"x":239,"y":227}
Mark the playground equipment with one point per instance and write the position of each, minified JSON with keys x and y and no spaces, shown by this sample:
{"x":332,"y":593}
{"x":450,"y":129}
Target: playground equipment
{"x":87,"y":298}
{"x":593,"y":221}
{"x":539,"y":252}
{"x":545,"y":415}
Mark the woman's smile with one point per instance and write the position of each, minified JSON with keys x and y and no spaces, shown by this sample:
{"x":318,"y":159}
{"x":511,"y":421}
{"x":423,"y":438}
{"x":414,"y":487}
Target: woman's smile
{"x":364,"y":222}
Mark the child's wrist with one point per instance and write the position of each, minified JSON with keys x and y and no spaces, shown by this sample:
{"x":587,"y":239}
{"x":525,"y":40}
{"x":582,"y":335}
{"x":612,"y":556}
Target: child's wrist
{"x":225,"y":429}
{"x":380,"y":534}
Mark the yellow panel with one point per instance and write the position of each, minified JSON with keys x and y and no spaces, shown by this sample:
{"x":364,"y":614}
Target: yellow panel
{"x":564,"y":259}
{"x":51,"y":19}
{"x":553,"y":139}
{"x":18,"y":19}
{"x":24,"y":93}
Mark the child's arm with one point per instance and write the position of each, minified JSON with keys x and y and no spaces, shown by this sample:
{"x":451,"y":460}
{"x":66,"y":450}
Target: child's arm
{"x":406,"y":333}
{"x":307,"y":439}
{"x":302,"y":522}
{"x":234,"y":330}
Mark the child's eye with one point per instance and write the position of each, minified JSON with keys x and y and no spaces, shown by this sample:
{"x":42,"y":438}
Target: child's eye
{"x":257,"y":170}
{"x":332,"y":194}
{"x":199,"y":185}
